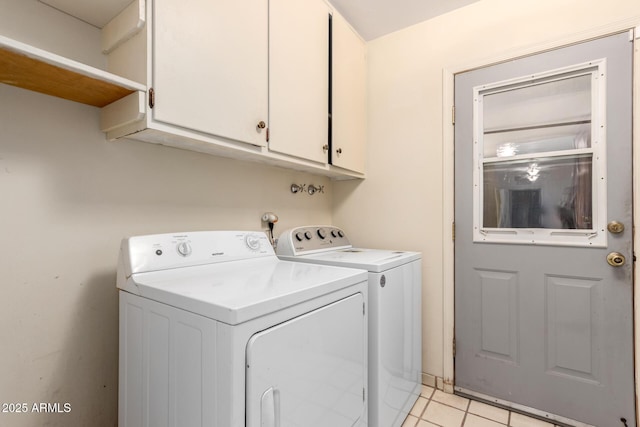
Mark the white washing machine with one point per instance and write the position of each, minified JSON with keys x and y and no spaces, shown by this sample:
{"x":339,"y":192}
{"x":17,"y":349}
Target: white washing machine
{"x":216,"y":331}
{"x":395,"y":316}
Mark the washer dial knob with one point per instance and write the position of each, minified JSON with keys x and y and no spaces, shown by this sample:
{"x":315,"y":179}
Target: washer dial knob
{"x":308,"y":235}
{"x":299,"y":237}
{"x":322,"y":233}
{"x":184,"y":249}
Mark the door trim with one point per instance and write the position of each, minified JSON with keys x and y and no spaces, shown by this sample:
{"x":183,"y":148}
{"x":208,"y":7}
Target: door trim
{"x":520,"y":408}
{"x":448,"y":178}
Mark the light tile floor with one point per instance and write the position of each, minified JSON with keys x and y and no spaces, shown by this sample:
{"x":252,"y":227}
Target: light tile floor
{"x":436,"y":408}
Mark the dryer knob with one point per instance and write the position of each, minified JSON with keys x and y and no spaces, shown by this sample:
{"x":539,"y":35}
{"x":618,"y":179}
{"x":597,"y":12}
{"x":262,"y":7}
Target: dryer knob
{"x":299,"y":237}
{"x":322,"y":233}
{"x":184,"y":248}
{"x":308,"y":235}
{"x":252,"y":241}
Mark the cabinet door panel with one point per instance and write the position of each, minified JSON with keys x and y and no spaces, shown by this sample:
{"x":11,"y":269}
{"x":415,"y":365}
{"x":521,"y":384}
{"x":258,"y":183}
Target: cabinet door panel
{"x":210,"y":66}
{"x":348,"y":118}
{"x":298,"y":78}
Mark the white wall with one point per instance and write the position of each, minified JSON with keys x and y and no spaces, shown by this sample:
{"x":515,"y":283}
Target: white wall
{"x":31,"y":22}
{"x":402,"y":204}
{"x":67,"y":197}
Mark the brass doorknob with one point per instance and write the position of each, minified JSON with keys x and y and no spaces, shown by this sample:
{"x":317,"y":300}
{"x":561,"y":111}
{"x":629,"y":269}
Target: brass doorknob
{"x":615,"y":227}
{"x":616,"y":259}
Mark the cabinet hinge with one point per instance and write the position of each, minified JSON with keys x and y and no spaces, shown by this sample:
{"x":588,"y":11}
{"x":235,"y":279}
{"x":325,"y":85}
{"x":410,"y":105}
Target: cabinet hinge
{"x":152,"y":98}
{"x":363,"y":309}
{"x":267,"y":133}
{"x":454,"y":347}
{"x":453,"y":231}
{"x":453,"y":115}
{"x":363,"y":395}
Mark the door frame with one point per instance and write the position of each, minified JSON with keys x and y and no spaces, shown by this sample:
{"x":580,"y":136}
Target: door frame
{"x":448,"y":73}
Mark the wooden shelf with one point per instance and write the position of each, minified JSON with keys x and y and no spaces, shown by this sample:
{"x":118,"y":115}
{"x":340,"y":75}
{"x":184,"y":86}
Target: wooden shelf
{"x":35,"y":69}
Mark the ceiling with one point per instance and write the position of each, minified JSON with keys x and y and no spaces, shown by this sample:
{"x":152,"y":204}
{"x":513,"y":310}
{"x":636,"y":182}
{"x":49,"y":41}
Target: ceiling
{"x":375,"y":18}
{"x":370,"y":18}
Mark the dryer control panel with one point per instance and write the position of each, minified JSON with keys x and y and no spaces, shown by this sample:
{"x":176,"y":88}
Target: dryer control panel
{"x":311,"y":239}
{"x":165,"y":251}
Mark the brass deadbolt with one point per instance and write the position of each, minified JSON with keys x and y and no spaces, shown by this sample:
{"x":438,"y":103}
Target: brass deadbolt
{"x":616,"y":259}
{"x":615,"y":227}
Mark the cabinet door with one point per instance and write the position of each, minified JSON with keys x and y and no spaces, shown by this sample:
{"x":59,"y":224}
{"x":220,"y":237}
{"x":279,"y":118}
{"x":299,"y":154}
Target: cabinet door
{"x":298,"y":78}
{"x":210,"y":66}
{"x":349,"y":85}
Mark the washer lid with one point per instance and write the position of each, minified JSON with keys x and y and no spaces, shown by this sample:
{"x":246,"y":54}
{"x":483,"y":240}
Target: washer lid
{"x":235,"y":292}
{"x":373,"y":260}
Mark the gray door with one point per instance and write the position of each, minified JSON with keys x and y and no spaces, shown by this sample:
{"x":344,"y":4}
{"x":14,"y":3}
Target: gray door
{"x":542,"y":166}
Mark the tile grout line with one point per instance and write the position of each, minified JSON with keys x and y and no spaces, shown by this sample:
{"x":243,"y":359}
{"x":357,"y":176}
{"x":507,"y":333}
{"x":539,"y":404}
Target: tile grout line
{"x":430,"y":398}
{"x":490,"y":419}
{"x":466,"y":412}
{"x":433,"y":392}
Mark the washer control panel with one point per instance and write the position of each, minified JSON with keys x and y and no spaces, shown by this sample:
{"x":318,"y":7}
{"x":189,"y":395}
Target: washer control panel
{"x":311,"y":239}
{"x":164,"y":251}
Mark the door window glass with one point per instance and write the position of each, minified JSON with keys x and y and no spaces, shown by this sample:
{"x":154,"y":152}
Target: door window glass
{"x":552,"y":193}
{"x":539,"y":149}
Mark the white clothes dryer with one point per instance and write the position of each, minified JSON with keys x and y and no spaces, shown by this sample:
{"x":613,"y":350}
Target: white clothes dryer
{"x":216,"y":331}
{"x":395,"y":316}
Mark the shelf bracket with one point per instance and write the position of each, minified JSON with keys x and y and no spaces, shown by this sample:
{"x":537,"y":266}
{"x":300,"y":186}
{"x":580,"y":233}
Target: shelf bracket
{"x":124,"y":26}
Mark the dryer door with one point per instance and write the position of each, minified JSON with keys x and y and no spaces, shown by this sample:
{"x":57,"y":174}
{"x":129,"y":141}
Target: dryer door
{"x":311,"y":370}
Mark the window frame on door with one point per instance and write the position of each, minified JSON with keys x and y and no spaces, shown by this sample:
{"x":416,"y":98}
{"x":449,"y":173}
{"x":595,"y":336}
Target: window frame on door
{"x":596,"y":235}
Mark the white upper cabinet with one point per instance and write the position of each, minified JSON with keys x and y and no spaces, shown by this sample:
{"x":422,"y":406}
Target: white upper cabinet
{"x":299,"y":78}
{"x":349,"y":96}
{"x":206,"y":67}
{"x":210,"y":62}
{"x":248,"y":80}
